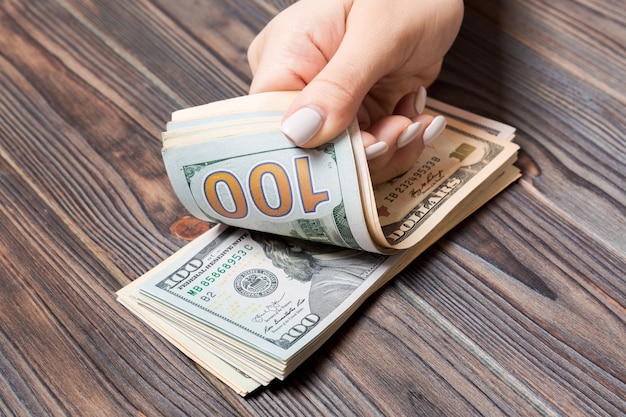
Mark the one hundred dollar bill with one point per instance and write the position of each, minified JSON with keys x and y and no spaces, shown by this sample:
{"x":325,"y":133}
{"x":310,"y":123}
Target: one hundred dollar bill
{"x":302,"y":237}
{"x":260,"y":180}
{"x":262,"y":302}
{"x":229,"y":163}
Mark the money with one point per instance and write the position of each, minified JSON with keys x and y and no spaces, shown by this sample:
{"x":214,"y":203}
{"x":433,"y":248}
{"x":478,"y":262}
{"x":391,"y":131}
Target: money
{"x":303,"y":238}
{"x":251,"y":176}
{"x":262,"y":302}
{"x":229,"y":163}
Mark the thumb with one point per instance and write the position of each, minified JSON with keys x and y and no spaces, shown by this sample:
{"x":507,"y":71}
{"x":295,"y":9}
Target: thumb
{"x":330,"y":101}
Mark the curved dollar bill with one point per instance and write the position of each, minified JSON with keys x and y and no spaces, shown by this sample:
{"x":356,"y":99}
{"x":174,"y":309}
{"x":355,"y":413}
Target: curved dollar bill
{"x":229,"y":163}
{"x":251,"y":306}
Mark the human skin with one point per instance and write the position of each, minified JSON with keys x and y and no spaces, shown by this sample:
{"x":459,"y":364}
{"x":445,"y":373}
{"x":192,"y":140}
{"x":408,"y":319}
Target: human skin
{"x":365,"y":58}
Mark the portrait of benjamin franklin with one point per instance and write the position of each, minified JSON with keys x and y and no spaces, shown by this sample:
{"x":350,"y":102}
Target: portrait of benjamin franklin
{"x":334,"y":272}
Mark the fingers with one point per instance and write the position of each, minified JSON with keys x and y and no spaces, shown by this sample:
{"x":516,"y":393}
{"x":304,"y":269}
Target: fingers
{"x":434,"y":130}
{"x":329,"y":102}
{"x":316,"y":56}
{"x":366,"y":53}
{"x":412,"y":104}
{"x":280,"y":67}
{"x":294,"y":47}
{"x":350,"y":58}
{"x":394,"y":143}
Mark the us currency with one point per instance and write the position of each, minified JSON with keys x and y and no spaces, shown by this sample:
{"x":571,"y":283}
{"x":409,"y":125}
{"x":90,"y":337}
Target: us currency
{"x":229,"y":163}
{"x":412,"y":205}
{"x":262,"y":302}
{"x":190,"y":344}
{"x":250,"y":306}
{"x":259,"y":180}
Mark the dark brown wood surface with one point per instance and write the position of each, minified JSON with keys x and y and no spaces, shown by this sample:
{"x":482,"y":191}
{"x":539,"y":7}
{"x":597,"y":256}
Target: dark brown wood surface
{"x":520,"y":310}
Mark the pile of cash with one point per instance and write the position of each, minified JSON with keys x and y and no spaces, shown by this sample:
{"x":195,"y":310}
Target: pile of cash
{"x":302,"y":237}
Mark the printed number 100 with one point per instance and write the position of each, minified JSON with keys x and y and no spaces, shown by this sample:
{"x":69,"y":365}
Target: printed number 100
{"x":300,"y":329}
{"x":260,"y":177}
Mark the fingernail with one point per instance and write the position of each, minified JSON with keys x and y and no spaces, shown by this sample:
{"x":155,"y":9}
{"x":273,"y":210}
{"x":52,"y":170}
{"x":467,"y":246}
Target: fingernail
{"x":409,"y":134}
{"x":375,"y":150}
{"x":301,"y":126}
{"x":435,"y":128}
{"x":420,"y":100}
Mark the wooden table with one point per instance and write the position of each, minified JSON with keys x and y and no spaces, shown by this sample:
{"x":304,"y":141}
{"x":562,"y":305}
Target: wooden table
{"x":520,"y":310}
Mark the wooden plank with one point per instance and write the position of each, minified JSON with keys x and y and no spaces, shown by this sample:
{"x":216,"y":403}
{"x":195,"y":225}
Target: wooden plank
{"x":586,"y":37}
{"x":544,"y":331}
{"x":465,"y":329}
{"x":93,"y":164}
{"x":68,"y":346}
{"x":570,"y":131}
{"x":519,"y":311}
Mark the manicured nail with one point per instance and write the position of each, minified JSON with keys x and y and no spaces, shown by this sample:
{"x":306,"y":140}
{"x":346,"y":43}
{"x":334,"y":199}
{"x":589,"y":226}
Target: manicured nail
{"x":301,"y":126}
{"x":435,"y":129}
{"x":375,"y":150}
{"x":409,"y":134}
{"x":420,"y":100}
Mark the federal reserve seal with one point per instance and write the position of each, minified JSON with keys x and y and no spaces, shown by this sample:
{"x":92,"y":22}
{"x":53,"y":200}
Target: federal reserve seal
{"x":255,"y":283}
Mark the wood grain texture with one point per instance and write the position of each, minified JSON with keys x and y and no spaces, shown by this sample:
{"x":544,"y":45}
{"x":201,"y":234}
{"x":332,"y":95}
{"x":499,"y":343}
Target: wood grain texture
{"x":520,"y":310}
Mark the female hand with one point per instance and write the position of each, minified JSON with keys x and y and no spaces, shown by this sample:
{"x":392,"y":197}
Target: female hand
{"x":365,"y":58}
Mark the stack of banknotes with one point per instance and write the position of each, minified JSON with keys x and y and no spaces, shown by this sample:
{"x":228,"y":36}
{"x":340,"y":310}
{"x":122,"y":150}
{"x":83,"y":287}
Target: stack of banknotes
{"x":301,"y":236}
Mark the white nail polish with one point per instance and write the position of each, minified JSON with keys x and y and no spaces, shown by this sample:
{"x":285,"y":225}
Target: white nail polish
{"x":375,"y":150}
{"x":301,"y":126}
{"x":435,"y":129}
{"x":409,"y":134}
{"x":420,"y":100}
